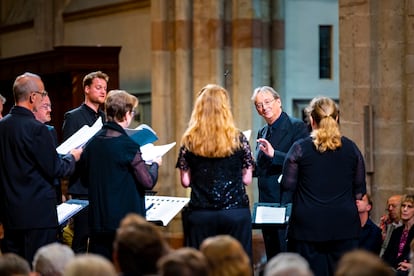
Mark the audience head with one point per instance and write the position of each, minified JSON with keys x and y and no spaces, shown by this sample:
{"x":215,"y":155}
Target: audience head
{"x":225,"y":256}
{"x":364,"y":205}
{"x":393,"y":208}
{"x":362,"y":263}
{"x":13,"y":265}
{"x":51,"y":259}
{"x":407,"y":208}
{"x":95,"y":86}
{"x":185,"y":261}
{"x":287,"y":264}
{"x":138,"y":246}
{"x":268,"y":103}
{"x":42,"y":112}
{"x":2,"y":102}
{"x":89,"y":265}
{"x":119,"y":106}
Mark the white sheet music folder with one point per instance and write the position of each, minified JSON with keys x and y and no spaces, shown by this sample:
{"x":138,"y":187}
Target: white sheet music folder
{"x":269,"y":213}
{"x":68,"y":209}
{"x":162,"y":209}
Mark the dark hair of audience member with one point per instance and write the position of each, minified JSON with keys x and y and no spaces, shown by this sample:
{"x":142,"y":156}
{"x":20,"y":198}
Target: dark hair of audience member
{"x":186,"y":261}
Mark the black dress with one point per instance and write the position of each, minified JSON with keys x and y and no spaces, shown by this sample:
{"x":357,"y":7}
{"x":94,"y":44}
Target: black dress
{"x":219,"y":203}
{"x":324,"y":222}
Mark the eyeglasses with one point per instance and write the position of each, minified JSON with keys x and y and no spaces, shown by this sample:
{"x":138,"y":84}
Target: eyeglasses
{"x":46,"y":106}
{"x":264,"y":104}
{"x":43,"y":93}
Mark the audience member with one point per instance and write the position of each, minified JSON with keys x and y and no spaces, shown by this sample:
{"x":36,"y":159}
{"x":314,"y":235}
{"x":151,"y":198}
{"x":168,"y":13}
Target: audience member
{"x":281,"y":131}
{"x":51,"y":259}
{"x":30,"y":163}
{"x":2,"y":102}
{"x":370,"y":238}
{"x":89,"y":265}
{"x":225,"y":256}
{"x":398,"y":249}
{"x":215,"y":160}
{"x":138,"y":246}
{"x":362,"y":263}
{"x":288,"y":264}
{"x":326,"y":173}
{"x":115,"y":173}
{"x":186,"y":261}
{"x":94,"y":88}
{"x":12,"y":264}
{"x":391,"y":220}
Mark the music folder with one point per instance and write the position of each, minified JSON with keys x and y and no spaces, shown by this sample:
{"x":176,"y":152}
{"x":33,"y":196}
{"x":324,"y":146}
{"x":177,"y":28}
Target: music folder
{"x":270,"y":214}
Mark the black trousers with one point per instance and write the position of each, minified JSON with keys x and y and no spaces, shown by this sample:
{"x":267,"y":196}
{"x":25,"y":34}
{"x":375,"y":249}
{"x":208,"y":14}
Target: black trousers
{"x":274,"y":238}
{"x":81,"y":231}
{"x":322,"y":256}
{"x":201,"y":224}
{"x":26,"y":242}
{"x":102,"y":244}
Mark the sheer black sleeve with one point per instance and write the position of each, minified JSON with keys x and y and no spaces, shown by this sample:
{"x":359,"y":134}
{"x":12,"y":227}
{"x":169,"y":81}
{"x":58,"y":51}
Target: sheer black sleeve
{"x":146,"y":176}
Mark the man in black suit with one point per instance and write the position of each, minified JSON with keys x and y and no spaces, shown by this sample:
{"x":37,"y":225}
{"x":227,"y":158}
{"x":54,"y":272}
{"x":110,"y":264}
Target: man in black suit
{"x":95,"y":90}
{"x":29,"y":164}
{"x":281,"y":131}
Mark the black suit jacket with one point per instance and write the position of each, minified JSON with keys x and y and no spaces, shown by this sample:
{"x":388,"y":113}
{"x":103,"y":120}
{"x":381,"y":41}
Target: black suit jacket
{"x":29,"y":164}
{"x":284,"y":132}
{"x":73,"y":121}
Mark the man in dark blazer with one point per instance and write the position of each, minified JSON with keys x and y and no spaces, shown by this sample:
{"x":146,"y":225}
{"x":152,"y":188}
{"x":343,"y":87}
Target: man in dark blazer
{"x":281,"y":131}
{"x":95,"y":89}
{"x":29,"y":164}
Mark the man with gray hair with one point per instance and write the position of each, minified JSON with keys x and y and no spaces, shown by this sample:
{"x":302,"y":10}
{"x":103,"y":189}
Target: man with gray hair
{"x":274,"y":141}
{"x":51,"y":259}
{"x":288,"y":264}
{"x":28,"y":165}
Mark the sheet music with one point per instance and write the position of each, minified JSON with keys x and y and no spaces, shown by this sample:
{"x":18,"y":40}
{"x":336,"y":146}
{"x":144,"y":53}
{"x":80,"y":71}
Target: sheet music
{"x":269,"y":214}
{"x":151,"y":152}
{"x":80,"y":137}
{"x":66,"y":211}
{"x":164,"y":208}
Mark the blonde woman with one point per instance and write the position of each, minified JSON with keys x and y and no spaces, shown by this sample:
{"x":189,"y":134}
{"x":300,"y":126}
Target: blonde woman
{"x":326,"y":174}
{"x":215,"y":161}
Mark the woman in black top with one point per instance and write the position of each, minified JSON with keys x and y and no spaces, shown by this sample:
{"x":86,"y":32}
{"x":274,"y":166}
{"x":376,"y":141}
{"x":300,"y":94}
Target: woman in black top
{"x":326,"y":174}
{"x":215,"y":161}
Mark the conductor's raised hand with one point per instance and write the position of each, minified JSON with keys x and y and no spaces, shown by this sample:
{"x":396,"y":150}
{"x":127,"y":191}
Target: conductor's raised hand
{"x":266,"y":147}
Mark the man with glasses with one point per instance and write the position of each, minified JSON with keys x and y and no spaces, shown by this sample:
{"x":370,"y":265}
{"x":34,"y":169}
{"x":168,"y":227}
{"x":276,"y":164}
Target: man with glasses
{"x":274,"y":141}
{"x":28,"y":165}
{"x":94,"y":88}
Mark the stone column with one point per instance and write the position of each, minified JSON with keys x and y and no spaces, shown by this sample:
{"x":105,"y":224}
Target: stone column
{"x":373,"y":71}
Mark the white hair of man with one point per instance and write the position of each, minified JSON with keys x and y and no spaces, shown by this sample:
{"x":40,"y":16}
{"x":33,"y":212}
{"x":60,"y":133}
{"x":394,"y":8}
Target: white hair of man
{"x":288,"y":264}
{"x":51,"y":259}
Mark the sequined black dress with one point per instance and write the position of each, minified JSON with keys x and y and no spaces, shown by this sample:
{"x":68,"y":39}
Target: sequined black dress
{"x":219,"y":203}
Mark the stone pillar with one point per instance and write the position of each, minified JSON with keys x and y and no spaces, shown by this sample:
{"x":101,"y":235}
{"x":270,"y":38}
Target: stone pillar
{"x":162,"y":107}
{"x":374,"y":71}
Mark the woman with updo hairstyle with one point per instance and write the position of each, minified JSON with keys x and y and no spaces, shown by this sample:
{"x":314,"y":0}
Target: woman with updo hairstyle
{"x":326,"y":174}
